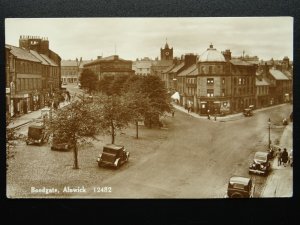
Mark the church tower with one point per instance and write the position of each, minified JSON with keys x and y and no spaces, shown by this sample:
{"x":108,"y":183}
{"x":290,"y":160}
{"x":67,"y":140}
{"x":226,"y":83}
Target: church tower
{"x":166,"y":53}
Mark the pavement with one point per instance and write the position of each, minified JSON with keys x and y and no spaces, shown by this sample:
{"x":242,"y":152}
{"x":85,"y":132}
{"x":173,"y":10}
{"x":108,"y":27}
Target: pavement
{"x":280,"y":181}
{"x":29,"y":117}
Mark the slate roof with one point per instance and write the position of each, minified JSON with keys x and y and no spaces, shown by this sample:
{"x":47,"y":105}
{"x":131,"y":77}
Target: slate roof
{"x":68,"y":63}
{"x":238,"y":62}
{"x":21,"y":53}
{"x":278,"y":75}
{"x":261,"y":82}
{"x":50,"y":61}
{"x":177,"y":68}
{"x":190,"y":71}
{"x":37,"y":55}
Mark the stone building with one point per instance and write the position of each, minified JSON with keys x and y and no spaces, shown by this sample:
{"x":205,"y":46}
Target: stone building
{"x":110,"y":66}
{"x":71,"y":70}
{"x":142,"y":67}
{"x":32,"y":74}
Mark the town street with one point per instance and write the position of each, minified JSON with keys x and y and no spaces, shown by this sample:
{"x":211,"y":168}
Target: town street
{"x":188,"y":158}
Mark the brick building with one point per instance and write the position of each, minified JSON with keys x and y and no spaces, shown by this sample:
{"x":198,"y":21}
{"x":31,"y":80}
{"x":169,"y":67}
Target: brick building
{"x":32,"y":74}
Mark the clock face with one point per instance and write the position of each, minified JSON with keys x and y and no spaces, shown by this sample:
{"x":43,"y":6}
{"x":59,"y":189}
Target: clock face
{"x":167,"y":53}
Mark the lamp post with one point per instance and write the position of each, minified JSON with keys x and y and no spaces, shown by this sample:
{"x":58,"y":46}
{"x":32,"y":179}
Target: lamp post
{"x":78,"y":62}
{"x":269,"y":123}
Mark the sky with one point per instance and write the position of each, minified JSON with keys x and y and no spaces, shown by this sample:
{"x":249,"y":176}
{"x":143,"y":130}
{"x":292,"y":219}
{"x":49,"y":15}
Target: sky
{"x":131,"y":38}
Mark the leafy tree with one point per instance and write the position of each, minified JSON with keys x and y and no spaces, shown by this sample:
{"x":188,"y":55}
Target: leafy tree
{"x":155,"y":90}
{"x":113,"y":114}
{"x":104,"y":85}
{"x":88,"y":79}
{"x":137,"y":101}
{"x":112,"y":85}
{"x":74,"y":123}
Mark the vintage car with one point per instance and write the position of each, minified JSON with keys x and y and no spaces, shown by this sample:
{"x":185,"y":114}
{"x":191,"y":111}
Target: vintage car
{"x":261,"y":163}
{"x":248,"y":112}
{"x":36,"y":135}
{"x":61,"y":144}
{"x":113,"y":155}
{"x":240,"y":187}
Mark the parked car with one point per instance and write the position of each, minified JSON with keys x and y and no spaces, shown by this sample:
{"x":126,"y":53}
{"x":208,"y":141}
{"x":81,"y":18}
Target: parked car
{"x":113,"y":155}
{"x":36,"y":135}
{"x":248,"y":112}
{"x":61,"y":144}
{"x":240,"y":187}
{"x":261,"y":163}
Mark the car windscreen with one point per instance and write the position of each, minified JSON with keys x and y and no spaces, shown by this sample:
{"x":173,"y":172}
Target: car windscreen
{"x":239,"y":186}
{"x":260,"y":158}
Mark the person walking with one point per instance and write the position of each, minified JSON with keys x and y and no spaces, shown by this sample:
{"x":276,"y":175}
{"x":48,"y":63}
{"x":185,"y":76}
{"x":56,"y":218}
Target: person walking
{"x":173,"y":113}
{"x":278,"y":154}
{"x":284,"y":157}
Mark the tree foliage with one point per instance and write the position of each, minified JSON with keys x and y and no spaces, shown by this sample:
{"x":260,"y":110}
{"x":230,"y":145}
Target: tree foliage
{"x":74,"y":124}
{"x":88,"y":79}
{"x":112,"y":113}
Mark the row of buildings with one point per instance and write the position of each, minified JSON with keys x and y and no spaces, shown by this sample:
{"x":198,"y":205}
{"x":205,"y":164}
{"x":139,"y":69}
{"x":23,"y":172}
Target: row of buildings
{"x":33,"y":74}
{"x":212,"y":82}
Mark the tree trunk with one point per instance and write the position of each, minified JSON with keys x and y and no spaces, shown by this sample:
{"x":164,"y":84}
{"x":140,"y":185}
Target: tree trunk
{"x":137,"y":129}
{"x":75,"y":151}
{"x":112,"y":133}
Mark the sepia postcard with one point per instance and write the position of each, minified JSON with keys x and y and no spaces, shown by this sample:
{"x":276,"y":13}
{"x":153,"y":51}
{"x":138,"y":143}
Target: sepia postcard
{"x":149,"y":108}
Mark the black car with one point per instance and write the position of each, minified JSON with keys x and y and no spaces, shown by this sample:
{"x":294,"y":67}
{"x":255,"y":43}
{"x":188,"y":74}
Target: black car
{"x":113,"y":155}
{"x":248,"y":112}
{"x":61,"y":143}
{"x":36,"y":135}
{"x":240,"y":187}
{"x":261,"y":163}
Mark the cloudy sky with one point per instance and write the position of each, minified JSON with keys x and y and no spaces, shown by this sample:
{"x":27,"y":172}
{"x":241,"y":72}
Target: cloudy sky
{"x":131,"y":38}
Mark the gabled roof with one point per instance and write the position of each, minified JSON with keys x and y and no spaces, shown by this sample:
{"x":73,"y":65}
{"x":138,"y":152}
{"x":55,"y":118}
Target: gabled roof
{"x":190,"y":71}
{"x":261,"y":82}
{"x":37,"y":55}
{"x":50,"y":61}
{"x":177,"y":68}
{"x":168,"y":68}
{"x":68,"y":63}
{"x":21,"y":53}
{"x":238,"y":62}
{"x":278,"y":75}
{"x":288,"y":74}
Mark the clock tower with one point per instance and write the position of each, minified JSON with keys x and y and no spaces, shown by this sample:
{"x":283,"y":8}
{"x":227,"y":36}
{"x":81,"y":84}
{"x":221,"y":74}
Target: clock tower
{"x":166,"y":53}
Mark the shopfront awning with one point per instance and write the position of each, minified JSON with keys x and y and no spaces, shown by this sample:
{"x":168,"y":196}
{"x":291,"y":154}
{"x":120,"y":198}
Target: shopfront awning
{"x":176,"y":96}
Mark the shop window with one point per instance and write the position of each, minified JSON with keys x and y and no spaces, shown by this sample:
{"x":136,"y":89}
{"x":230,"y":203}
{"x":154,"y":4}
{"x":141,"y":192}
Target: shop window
{"x":223,"y":92}
{"x":223,"y":80}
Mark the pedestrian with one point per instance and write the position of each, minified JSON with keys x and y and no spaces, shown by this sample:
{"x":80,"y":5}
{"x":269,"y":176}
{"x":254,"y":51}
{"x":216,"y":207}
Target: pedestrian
{"x":208,"y":116}
{"x":69,"y":96}
{"x":173,"y":112}
{"x":278,"y":157}
{"x":284,"y":157}
{"x":291,"y":158}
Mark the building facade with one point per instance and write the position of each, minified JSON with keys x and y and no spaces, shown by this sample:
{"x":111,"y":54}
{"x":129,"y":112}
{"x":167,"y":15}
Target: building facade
{"x":142,"y":67}
{"x":71,"y":70}
{"x":216,"y":84}
{"x":32,"y":74}
{"x":110,"y":66}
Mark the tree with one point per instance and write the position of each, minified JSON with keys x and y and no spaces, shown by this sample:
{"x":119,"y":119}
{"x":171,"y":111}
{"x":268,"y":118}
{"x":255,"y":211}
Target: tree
{"x":112,"y":113}
{"x":88,"y":79}
{"x":75,"y":123}
{"x":137,"y":101}
{"x":155,"y":90}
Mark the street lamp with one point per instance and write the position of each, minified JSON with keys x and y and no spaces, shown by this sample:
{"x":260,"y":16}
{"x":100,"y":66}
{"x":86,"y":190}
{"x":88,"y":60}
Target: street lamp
{"x":269,"y":123}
